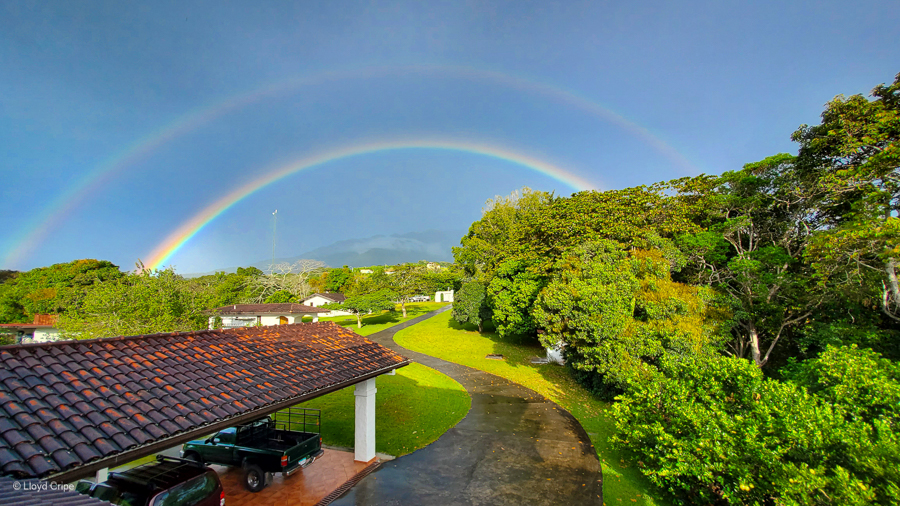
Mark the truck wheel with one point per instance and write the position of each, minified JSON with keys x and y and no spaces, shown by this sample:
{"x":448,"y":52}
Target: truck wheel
{"x":194,"y":456}
{"x":254,"y":478}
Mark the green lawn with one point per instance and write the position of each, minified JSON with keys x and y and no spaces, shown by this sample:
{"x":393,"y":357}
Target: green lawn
{"x":442,"y":337}
{"x":376,"y":322}
{"x":413,"y":408}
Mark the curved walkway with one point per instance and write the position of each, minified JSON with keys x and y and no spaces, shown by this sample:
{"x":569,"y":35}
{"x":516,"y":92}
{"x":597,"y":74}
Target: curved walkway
{"x":513,"y":447}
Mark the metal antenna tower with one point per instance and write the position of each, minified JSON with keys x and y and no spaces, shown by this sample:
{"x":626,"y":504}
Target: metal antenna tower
{"x":274,"y":230}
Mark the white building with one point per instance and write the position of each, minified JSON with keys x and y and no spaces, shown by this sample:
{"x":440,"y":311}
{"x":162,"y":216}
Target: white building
{"x":249,"y":315}
{"x":320,"y":299}
{"x":445,"y":296}
{"x":41,"y":331}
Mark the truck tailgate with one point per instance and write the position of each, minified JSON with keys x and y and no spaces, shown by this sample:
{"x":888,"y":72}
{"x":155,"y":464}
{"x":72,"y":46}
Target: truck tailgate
{"x":309,"y":445}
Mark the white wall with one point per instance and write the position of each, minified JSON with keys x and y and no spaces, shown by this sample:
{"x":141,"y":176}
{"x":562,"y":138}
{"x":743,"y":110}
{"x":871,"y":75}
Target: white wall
{"x":249,"y":321}
{"x":45,"y":335}
{"x":447,"y":296}
{"x":316,"y":301}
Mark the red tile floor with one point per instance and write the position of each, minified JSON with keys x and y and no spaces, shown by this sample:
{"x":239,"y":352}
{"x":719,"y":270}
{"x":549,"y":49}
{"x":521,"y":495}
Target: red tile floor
{"x":304,"y":488}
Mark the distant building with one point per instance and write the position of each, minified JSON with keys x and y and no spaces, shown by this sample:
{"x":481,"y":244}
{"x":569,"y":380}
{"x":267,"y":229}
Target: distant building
{"x":320,"y":299}
{"x":445,"y":296}
{"x":41,"y":331}
{"x":249,"y":315}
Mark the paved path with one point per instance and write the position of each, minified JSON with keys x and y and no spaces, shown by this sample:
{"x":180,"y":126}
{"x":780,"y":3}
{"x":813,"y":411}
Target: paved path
{"x":513,"y":447}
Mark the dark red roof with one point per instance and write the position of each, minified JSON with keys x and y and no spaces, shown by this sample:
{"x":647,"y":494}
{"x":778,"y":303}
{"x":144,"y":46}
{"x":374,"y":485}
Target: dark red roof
{"x":40,"y":321}
{"x":332,"y":296}
{"x":66,"y":404}
{"x":257,"y":309}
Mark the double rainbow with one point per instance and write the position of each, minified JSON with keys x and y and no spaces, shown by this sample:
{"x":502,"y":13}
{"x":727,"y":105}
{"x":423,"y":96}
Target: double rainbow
{"x":177,"y":239}
{"x":53,"y":214}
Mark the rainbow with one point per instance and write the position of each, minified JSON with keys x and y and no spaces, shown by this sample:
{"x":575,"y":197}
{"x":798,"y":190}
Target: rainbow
{"x":61,"y":207}
{"x":177,"y":239}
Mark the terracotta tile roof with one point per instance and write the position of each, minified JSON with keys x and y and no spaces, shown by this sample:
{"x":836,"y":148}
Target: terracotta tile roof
{"x":257,"y":309}
{"x":66,"y":404}
{"x":45,"y":319}
{"x":40,"y":320}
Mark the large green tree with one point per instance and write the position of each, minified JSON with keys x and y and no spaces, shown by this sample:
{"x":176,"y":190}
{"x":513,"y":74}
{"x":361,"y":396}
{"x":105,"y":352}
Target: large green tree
{"x":146,"y":302}
{"x":51,"y":289}
{"x":470,"y":305}
{"x":852,"y":158}
{"x":760,"y":222}
{"x":406,"y":281}
{"x":364,"y":303}
{"x":617,"y":312}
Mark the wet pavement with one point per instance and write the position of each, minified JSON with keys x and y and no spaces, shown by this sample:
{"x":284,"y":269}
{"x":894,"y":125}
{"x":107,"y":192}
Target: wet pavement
{"x":513,"y":447}
{"x":305,"y":488}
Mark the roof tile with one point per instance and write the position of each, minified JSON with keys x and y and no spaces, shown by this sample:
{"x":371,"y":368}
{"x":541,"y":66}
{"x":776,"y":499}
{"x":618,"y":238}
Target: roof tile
{"x":95,"y":398}
{"x":85,"y":452}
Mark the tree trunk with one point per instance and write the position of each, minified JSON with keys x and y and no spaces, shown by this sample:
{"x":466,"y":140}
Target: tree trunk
{"x":358,"y":320}
{"x":480,"y":328}
{"x":403,"y":307}
{"x":892,"y":288}
{"x":754,"y":345}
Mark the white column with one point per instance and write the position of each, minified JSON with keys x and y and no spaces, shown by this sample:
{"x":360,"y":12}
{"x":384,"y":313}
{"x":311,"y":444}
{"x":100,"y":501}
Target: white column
{"x":365,"y":421}
{"x":315,"y":317}
{"x":102,"y":475}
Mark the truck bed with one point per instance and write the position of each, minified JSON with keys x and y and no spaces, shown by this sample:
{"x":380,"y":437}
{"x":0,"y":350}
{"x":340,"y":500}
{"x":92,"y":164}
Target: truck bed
{"x":275,"y":439}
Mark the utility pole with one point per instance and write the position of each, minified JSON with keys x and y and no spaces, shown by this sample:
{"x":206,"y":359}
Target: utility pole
{"x":274,"y":230}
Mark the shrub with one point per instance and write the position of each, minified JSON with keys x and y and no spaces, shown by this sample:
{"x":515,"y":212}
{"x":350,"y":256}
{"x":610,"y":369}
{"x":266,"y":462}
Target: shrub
{"x":712,"y":430}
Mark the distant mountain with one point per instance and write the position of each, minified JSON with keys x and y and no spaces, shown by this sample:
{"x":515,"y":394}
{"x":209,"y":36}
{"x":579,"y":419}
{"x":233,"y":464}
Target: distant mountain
{"x":431,"y":245}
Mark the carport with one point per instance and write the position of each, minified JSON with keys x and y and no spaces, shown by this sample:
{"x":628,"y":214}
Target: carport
{"x":71,"y":409}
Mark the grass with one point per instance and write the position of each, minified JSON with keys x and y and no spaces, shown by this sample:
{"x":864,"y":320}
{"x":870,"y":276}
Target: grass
{"x":412,"y":409}
{"x":444,"y":338}
{"x":376,"y":322}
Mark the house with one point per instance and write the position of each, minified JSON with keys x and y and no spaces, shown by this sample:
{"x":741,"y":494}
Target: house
{"x":73,"y":409}
{"x":320,"y":299}
{"x":445,"y":296}
{"x":43,"y":329}
{"x":250,"y":315}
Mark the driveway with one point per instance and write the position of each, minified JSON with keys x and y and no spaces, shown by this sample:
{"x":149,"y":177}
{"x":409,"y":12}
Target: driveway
{"x":513,"y":447}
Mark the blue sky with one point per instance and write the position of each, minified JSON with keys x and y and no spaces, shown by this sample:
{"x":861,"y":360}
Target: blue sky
{"x":119,"y":122}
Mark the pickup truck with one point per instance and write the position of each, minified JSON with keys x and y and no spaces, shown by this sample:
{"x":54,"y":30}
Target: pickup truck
{"x":264,"y":446}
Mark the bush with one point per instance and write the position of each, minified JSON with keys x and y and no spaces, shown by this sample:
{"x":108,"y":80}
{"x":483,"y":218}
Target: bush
{"x":712,"y":430}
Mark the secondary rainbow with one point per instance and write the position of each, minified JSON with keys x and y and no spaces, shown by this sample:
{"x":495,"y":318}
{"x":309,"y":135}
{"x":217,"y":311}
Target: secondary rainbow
{"x":53,"y":214}
{"x":177,"y":239}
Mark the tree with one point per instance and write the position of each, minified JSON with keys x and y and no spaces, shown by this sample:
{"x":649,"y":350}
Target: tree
{"x":512,"y":293}
{"x":146,"y":302}
{"x":470,"y":305}
{"x":762,"y":221}
{"x":406,"y":281}
{"x":51,"y":289}
{"x":617,"y":313}
{"x":338,"y":279}
{"x":291,"y":278}
{"x":853,"y":159}
{"x":499,"y":233}
{"x":280,"y":297}
{"x":365,"y":303}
